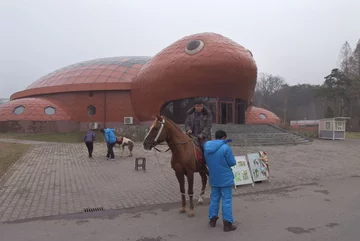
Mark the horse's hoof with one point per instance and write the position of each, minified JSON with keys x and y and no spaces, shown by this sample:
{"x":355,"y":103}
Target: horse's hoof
{"x":191,"y":214}
{"x":182,"y":210}
{"x":200,"y":201}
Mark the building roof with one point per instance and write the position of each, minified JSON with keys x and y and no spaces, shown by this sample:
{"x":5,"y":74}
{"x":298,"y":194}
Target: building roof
{"x":256,"y":115}
{"x":337,"y":118}
{"x":304,"y":122}
{"x":113,"y":73}
{"x":34,"y":109}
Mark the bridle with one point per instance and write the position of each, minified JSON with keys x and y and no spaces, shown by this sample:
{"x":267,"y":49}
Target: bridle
{"x":155,"y":142}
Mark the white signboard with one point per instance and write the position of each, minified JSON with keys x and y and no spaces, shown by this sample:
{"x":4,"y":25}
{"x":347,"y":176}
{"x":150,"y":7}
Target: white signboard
{"x":242,"y":174}
{"x":257,"y":167}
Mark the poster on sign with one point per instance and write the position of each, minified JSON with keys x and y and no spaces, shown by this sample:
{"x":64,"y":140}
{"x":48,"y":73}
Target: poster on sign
{"x":241,"y":172}
{"x":257,"y":167}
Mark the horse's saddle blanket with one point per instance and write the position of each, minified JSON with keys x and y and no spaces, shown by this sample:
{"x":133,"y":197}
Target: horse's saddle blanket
{"x":119,"y":140}
{"x":199,"y":155}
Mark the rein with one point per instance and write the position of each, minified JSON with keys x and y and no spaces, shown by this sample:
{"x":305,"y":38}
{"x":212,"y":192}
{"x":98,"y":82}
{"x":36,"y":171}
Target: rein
{"x":158,"y":135}
{"x":177,"y":143}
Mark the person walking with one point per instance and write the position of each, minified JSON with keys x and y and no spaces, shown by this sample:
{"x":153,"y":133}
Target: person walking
{"x":110,"y":139}
{"x":219,"y":159}
{"x":89,"y":139}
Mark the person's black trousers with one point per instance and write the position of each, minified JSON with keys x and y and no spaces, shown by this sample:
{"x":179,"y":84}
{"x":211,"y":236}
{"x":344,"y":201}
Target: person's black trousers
{"x":110,"y":151}
{"x":90,"y":147}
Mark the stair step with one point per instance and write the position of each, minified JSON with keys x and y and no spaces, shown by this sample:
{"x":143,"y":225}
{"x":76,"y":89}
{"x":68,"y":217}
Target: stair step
{"x":263,"y":134}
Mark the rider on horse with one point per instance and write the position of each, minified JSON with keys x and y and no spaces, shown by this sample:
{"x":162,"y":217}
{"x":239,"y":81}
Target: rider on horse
{"x":198,"y":122}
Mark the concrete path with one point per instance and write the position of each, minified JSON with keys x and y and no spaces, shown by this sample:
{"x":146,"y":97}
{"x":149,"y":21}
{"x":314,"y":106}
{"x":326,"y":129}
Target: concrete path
{"x":57,"y":179}
{"x":324,"y":211}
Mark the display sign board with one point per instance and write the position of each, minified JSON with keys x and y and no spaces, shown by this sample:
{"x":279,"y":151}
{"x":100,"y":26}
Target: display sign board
{"x":258,"y":167}
{"x":242,"y":174}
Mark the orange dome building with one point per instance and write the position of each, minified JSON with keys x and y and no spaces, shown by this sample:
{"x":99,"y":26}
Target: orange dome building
{"x":111,"y":91}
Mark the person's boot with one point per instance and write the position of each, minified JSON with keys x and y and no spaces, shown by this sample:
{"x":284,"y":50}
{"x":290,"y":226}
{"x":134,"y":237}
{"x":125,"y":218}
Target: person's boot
{"x":213,"y":221}
{"x":228,"y":226}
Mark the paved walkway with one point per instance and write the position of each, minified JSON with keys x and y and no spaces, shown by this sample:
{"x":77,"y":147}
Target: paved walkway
{"x":324,"y":211}
{"x":54,"y":179}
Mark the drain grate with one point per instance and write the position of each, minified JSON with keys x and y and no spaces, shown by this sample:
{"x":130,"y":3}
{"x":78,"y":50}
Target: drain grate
{"x":87,"y":210}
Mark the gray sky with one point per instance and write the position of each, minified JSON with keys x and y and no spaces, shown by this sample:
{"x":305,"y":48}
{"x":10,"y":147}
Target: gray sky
{"x":297,"y":39}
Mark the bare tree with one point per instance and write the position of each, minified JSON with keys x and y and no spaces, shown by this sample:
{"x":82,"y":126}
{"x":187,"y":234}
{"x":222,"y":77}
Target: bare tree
{"x":267,"y":85}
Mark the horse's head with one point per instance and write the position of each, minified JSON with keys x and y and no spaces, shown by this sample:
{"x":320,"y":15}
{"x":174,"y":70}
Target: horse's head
{"x":157,"y":133}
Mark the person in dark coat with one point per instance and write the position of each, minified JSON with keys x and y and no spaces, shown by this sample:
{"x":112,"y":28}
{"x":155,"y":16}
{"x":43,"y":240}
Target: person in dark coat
{"x":199,"y":122}
{"x":89,"y":139}
{"x":219,"y":159}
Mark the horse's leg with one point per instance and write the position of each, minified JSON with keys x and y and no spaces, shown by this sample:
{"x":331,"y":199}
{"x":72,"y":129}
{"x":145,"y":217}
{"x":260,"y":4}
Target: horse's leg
{"x":122,"y":147}
{"x":190,"y":178}
{"x":181,"y":179}
{"x":204,"y":181}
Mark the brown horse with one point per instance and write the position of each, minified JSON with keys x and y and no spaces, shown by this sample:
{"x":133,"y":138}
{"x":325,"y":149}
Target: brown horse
{"x":183,"y":160}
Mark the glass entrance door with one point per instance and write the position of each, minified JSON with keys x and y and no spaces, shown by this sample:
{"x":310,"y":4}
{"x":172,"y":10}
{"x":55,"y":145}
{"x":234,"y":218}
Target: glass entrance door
{"x":226,"y":112}
{"x":240,"y":113}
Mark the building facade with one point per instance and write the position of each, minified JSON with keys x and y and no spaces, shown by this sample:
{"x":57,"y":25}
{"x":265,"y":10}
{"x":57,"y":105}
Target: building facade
{"x":111,"y":91}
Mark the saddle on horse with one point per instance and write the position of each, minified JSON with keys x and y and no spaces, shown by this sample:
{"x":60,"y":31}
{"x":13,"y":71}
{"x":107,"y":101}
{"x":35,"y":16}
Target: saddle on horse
{"x":199,"y":152}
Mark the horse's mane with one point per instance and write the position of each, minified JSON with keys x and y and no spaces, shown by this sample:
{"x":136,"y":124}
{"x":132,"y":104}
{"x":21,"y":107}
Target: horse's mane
{"x":173,"y":124}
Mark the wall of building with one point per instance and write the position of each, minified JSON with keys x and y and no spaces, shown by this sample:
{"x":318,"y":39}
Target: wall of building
{"x":312,"y":128}
{"x":111,"y":106}
{"x":28,"y":126}
{"x":329,"y":134}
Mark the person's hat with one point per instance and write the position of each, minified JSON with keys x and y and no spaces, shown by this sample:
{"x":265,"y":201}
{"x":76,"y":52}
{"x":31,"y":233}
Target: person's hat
{"x":198,"y":101}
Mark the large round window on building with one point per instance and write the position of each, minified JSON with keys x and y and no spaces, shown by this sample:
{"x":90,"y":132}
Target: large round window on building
{"x":176,"y":110}
{"x":50,"y":110}
{"x":91,"y":110}
{"x":19,"y":110}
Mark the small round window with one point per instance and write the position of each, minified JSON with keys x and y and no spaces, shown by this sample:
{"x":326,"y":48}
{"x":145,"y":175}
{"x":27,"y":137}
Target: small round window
{"x":50,"y":110}
{"x":19,"y":110}
{"x":91,"y":110}
{"x":263,"y":116}
{"x":194,"y":47}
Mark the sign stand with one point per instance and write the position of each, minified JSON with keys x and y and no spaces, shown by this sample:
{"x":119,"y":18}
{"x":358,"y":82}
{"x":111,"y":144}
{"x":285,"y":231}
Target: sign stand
{"x":259,"y":169}
{"x":242,"y":173}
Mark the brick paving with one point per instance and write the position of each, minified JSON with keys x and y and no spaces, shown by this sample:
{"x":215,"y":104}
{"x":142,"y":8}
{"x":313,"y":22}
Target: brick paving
{"x":53,"y":179}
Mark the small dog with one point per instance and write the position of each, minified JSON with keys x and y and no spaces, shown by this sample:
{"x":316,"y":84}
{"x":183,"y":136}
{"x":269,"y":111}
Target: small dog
{"x":122,"y":142}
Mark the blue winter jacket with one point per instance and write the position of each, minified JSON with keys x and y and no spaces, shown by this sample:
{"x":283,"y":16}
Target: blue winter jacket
{"x":219,"y":159}
{"x":109,"y":135}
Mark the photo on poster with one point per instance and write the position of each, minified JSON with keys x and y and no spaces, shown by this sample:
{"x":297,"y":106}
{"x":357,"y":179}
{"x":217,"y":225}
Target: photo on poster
{"x":242,"y":174}
{"x":257,"y":167}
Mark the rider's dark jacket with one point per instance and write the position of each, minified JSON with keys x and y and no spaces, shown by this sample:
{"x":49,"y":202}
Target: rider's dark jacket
{"x":204,"y":120}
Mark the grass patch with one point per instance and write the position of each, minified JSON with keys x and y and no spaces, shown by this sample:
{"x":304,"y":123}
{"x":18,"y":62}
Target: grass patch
{"x":352,"y":135}
{"x":9,"y":154}
{"x":71,"y":137}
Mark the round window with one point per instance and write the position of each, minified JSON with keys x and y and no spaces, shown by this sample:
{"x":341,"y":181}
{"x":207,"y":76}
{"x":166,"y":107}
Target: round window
{"x":91,"y":110}
{"x":194,"y":47}
{"x":19,"y":110}
{"x":263,"y":116}
{"x":50,"y":110}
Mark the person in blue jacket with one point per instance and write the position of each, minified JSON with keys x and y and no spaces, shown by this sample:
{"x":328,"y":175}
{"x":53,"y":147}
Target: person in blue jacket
{"x":219,"y":159}
{"x":110,"y":139}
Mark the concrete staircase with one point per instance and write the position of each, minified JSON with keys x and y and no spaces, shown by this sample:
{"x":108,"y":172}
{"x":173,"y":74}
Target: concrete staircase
{"x":259,"y":135}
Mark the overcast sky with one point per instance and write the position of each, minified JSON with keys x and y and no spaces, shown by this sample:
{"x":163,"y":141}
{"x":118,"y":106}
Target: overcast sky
{"x":297,"y":39}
